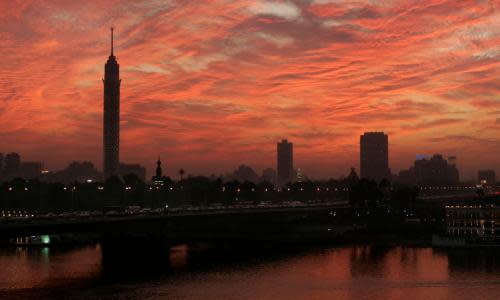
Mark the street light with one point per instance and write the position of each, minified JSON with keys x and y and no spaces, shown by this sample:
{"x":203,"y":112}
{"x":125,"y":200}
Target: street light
{"x":73,"y":198}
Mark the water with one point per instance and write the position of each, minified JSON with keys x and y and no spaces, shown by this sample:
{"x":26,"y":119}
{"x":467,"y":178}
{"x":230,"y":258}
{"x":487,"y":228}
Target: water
{"x":348,"y":272}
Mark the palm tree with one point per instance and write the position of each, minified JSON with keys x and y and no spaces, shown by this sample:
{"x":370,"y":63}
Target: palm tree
{"x":181,"y":173}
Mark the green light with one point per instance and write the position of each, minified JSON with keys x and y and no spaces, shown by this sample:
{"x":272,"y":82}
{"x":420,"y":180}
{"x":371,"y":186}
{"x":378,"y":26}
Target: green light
{"x":45,"y":239}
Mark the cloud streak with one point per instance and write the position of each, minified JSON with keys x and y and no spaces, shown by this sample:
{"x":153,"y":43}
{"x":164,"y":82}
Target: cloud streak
{"x":213,"y":84}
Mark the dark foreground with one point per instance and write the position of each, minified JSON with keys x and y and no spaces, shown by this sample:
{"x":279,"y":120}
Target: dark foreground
{"x":347,"y":272}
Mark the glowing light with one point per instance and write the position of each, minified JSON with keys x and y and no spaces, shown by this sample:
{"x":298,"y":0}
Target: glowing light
{"x":45,"y":239}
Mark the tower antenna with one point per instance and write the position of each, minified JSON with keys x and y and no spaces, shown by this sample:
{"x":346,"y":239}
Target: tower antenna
{"x":112,"y":41}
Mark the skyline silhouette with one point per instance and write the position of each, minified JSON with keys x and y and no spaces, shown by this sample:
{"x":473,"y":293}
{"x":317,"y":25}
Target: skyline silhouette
{"x":210,"y":93}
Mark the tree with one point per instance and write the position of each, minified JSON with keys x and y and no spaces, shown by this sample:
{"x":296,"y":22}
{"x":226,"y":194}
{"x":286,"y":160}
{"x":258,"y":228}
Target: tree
{"x":134,"y":196}
{"x":114,"y":190}
{"x":365,"y":193}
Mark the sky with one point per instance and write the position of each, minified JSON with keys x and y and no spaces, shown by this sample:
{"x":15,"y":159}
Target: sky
{"x":209,"y":85}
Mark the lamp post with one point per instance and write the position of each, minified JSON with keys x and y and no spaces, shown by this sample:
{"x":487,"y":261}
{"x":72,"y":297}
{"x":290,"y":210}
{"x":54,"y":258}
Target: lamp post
{"x":73,"y":198}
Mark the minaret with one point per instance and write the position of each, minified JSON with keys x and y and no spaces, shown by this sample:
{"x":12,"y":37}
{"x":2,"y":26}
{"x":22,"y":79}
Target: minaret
{"x":158,"y":169}
{"x":158,"y":178}
{"x":111,"y":134}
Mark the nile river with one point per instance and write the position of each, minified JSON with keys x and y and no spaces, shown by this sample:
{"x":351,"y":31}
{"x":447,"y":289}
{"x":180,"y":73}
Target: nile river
{"x":347,"y":272}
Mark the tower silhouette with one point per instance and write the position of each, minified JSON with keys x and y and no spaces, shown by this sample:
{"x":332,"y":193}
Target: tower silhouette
{"x":158,"y":169}
{"x":111,"y":128}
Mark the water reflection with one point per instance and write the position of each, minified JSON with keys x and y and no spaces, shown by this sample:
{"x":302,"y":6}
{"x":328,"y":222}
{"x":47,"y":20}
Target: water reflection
{"x":23,"y":268}
{"x":203,"y":272}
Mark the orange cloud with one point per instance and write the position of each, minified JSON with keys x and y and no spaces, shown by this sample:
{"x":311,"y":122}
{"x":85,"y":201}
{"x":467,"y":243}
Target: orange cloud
{"x":212,"y":84}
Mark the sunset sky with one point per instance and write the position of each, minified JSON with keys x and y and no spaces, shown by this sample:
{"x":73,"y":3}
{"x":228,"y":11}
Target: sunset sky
{"x":209,"y":85}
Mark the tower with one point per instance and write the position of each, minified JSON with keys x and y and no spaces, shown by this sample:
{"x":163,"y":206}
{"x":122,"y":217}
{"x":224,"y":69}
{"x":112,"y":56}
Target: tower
{"x":111,"y":126}
{"x":158,"y":178}
{"x":285,"y":162}
{"x":158,"y":169}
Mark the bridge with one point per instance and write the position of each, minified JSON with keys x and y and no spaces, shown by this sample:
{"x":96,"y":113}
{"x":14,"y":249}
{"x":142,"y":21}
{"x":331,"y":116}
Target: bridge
{"x":211,"y":224}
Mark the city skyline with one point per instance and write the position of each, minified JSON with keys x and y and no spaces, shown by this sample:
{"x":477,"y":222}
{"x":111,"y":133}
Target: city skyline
{"x":182,"y":90}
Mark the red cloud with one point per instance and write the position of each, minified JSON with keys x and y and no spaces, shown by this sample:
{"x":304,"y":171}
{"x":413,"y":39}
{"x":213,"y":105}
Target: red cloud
{"x":213,"y":84}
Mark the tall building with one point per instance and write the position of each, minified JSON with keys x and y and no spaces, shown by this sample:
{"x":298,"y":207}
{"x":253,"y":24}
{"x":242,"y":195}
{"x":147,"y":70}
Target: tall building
{"x":12,"y":162}
{"x":111,"y":126}
{"x":487,"y":177}
{"x":374,"y":156}
{"x":436,"y":171}
{"x":285,"y":162}
{"x":431,"y":171}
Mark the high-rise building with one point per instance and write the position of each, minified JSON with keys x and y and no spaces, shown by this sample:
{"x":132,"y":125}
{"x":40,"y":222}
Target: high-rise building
{"x":487,"y":177}
{"x":436,"y":171}
{"x":285,"y":162}
{"x":111,"y":126}
{"x":374,"y":156}
{"x":12,"y":162}
{"x":430,"y":171}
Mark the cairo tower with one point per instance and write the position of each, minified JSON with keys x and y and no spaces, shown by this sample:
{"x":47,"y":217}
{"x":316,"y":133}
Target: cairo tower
{"x":111,"y":118}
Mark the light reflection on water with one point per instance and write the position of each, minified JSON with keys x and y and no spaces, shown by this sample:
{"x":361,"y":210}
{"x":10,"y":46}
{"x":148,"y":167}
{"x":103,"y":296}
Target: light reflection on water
{"x":351,"y":272}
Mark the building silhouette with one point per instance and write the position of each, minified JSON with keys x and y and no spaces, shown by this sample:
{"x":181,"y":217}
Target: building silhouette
{"x":158,"y":179}
{"x":269,"y":175}
{"x":436,"y":171}
{"x":374,"y":156}
{"x":430,"y":171}
{"x":487,"y":177}
{"x":158,"y":169}
{"x":111,"y":126}
{"x":12,"y":163}
{"x":76,"y":171}
{"x":136,"y":169}
{"x":31,"y":170}
{"x":243,"y":173}
{"x":285,"y":162}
